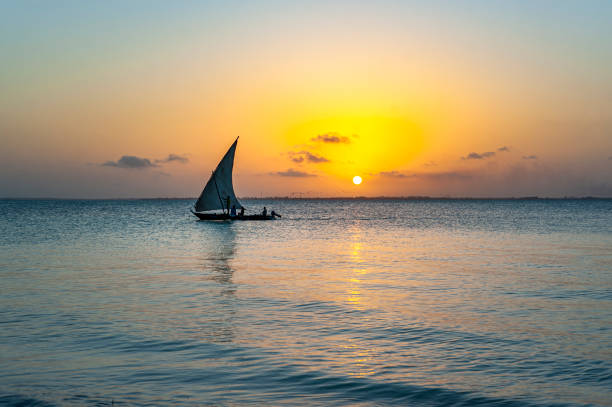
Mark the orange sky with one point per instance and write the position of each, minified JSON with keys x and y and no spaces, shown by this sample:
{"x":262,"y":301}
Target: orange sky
{"x":476,"y":99}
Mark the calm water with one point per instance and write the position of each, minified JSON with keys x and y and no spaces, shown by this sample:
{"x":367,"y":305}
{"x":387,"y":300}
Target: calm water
{"x":339,"y":303}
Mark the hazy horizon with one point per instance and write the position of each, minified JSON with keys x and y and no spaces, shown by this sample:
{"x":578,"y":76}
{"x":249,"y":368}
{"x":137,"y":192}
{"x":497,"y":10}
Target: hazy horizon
{"x":382,"y":197}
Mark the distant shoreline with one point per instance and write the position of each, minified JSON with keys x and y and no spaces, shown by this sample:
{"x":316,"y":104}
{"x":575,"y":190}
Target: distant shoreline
{"x":356,"y":198}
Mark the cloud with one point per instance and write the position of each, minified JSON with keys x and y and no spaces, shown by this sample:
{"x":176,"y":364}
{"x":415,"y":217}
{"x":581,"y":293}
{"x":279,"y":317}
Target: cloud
{"x":302,"y":156}
{"x":314,"y":158}
{"x":530,"y":157}
{"x":133,"y":162}
{"x":174,"y":157}
{"x":503,"y":149}
{"x":292,"y":173}
{"x":332,"y":137}
{"x":130,"y":162}
{"x":476,"y":156}
{"x":434,"y":176}
{"x":393,"y":174}
{"x":472,"y":156}
{"x":445,"y":176}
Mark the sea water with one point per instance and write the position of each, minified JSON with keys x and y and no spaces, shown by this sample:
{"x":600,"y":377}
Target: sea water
{"x":340,"y":302}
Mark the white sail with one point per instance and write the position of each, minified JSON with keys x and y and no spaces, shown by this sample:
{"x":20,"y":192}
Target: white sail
{"x":219,"y":187}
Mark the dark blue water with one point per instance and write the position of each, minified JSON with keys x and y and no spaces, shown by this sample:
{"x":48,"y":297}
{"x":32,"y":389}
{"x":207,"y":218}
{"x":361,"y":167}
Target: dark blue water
{"x":342,"y":302}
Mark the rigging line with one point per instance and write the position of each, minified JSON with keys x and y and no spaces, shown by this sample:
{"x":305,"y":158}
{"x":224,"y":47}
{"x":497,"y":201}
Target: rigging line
{"x":218,"y":194}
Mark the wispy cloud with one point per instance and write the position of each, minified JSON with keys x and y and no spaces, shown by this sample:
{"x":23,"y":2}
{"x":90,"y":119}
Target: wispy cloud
{"x":174,"y":158}
{"x":393,"y":174}
{"x":434,"y":176}
{"x":331,"y":137}
{"x":479,"y":156}
{"x":503,"y":149}
{"x":530,"y":157}
{"x":293,"y":173}
{"x":314,"y":158}
{"x":445,"y":176}
{"x":131,"y":162}
{"x":301,"y":156}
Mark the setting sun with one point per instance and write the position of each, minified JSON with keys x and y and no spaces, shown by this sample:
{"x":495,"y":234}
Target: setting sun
{"x":356,"y":180}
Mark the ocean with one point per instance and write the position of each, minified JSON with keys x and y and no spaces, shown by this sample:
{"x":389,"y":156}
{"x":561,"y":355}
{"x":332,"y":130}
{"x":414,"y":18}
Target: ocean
{"x":340,"y":302}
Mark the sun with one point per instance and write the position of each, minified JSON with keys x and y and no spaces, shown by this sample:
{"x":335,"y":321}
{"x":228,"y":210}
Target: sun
{"x":357,"y":180}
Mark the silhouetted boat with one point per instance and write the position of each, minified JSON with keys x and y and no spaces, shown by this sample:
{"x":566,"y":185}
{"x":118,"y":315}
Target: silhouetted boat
{"x":218,"y":194}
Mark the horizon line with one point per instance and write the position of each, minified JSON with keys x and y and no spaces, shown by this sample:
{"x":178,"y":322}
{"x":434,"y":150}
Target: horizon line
{"x":381,"y":197}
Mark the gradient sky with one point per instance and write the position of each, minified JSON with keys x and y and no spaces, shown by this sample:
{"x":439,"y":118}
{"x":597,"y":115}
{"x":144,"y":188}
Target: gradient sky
{"x":453,"y":98}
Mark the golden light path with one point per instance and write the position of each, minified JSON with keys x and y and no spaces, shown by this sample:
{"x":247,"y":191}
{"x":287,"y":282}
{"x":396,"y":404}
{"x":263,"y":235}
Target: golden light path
{"x":356,"y":180}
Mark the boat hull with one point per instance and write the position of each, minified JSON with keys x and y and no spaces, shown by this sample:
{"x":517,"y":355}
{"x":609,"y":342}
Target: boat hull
{"x":224,"y":216}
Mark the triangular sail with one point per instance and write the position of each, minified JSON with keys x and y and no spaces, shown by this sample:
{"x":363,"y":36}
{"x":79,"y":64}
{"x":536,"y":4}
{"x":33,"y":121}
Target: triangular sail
{"x":219,"y":187}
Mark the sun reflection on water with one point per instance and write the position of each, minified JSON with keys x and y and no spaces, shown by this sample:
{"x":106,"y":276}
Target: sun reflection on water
{"x":353,"y":290}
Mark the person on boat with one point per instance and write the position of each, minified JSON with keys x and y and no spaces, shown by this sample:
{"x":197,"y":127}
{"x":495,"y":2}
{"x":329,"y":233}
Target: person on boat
{"x":233,"y":211}
{"x":227,"y":202}
{"x":274,"y":214}
{"x":265,"y":212}
{"x":242,"y":211}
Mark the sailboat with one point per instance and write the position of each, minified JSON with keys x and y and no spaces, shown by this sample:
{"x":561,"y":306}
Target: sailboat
{"x":218,"y":194}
